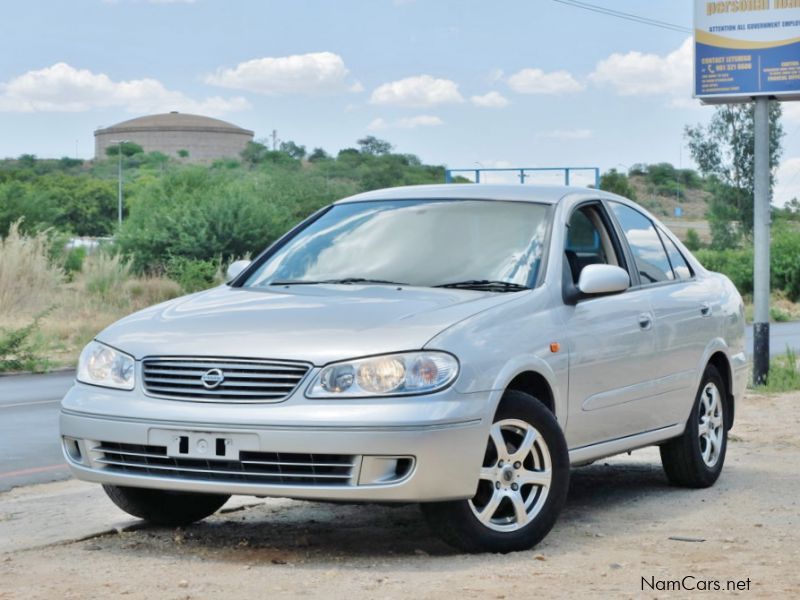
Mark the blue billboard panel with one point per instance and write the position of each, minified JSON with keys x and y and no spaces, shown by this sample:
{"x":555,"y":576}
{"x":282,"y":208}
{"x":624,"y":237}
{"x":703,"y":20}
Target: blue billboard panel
{"x":746,"y":48}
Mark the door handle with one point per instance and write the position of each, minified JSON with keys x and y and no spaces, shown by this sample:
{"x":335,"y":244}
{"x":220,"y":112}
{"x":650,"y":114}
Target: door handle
{"x":705,"y":309}
{"x":645,"y":322}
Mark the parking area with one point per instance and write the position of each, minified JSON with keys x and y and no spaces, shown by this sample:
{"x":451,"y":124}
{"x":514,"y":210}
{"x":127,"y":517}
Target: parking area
{"x":624,"y":533}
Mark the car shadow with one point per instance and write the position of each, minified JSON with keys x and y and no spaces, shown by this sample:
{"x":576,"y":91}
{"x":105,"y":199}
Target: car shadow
{"x":311,"y":533}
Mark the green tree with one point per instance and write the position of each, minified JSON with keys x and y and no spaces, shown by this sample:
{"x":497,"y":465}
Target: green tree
{"x":128,"y":149}
{"x":318,"y":154}
{"x":617,"y":183}
{"x":182,"y":153}
{"x":294,"y":150}
{"x":374,"y":146}
{"x":724,"y":151}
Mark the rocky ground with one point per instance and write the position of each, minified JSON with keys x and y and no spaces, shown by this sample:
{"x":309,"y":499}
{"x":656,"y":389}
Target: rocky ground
{"x":623,"y":532}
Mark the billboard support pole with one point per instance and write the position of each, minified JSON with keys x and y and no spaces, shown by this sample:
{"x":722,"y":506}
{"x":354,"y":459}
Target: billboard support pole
{"x":761,"y":226}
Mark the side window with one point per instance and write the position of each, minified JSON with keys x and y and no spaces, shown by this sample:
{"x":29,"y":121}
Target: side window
{"x":588,"y":241}
{"x":679,"y":264}
{"x":648,"y":251}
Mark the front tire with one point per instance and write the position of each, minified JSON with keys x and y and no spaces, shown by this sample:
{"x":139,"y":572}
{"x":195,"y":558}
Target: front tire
{"x":522,"y":487}
{"x":695,"y":458}
{"x":163,"y":507}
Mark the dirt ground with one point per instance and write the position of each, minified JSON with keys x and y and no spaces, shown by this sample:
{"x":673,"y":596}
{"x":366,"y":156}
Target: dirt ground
{"x":623,"y":530}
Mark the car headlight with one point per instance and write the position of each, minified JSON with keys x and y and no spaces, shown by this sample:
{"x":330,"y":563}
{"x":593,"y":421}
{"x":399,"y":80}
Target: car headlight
{"x":388,"y":375}
{"x":102,"y":365}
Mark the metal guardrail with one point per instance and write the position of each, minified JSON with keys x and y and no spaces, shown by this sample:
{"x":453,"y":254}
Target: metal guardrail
{"x":523,"y":172}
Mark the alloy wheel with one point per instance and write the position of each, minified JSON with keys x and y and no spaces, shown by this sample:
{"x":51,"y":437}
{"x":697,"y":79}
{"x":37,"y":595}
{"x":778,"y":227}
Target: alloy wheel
{"x":710,"y":427}
{"x":515,"y":478}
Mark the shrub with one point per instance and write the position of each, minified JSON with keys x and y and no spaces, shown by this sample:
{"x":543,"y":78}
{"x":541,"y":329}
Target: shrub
{"x":785,"y":261}
{"x":73,"y":260}
{"x":20,"y":350}
{"x":28,"y":279}
{"x":617,"y":183}
{"x":193,"y":275}
{"x":692,"y":241}
{"x":214,"y":215}
{"x":736,"y":264}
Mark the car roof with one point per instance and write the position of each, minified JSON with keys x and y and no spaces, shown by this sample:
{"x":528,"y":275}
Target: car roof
{"x":544,"y":194}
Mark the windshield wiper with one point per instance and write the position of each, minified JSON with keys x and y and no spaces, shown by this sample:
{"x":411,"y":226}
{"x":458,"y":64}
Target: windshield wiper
{"x":344,"y":280}
{"x":485,"y":284}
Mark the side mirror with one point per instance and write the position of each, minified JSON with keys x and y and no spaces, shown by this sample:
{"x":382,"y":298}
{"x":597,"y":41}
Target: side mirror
{"x":603,"y":279}
{"x":236,"y":267}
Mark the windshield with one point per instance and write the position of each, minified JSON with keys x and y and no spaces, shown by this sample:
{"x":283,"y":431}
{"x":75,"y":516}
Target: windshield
{"x":417,"y":243}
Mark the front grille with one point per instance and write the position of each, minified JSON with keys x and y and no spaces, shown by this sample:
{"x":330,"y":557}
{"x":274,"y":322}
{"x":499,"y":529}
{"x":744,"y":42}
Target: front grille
{"x":252,"y":467}
{"x":242,"y":380}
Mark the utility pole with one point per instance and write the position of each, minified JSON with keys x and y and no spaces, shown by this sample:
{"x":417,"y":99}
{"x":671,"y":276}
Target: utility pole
{"x":761,"y":225}
{"x":119,"y":177}
{"x":274,"y":140}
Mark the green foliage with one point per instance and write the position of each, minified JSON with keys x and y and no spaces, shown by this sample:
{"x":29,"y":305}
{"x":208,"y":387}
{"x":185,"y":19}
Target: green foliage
{"x":203,"y":214}
{"x":617,"y":183}
{"x":294,"y":150}
{"x":193,"y":212}
{"x":192,"y":275}
{"x":785,"y":261}
{"x":183,"y":153}
{"x":784,"y":375}
{"x":724,"y":150}
{"x":736,"y":264}
{"x":80,"y":204}
{"x":374,"y":146}
{"x":318,"y":154}
{"x":128,"y":149}
{"x":21,"y":349}
{"x":692,"y":241}
{"x":73,"y":260}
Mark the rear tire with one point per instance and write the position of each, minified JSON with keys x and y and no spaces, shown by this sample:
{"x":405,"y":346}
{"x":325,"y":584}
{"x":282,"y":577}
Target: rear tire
{"x":695,"y":458}
{"x":522,"y":487}
{"x":163,"y":507}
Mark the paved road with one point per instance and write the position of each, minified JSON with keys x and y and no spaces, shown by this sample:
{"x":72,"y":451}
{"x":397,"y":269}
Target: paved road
{"x":29,"y":447}
{"x":781,"y":335}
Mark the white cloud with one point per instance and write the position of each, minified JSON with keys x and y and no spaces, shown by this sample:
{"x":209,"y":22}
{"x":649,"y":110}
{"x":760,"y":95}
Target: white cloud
{"x":490,"y":100}
{"x":791,"y":112}
{"x":787,"y":184}
{"x":418,"y":91}
{"x":63,"y":88}
{"x":311,"y":74}
{"x":536,"y":81}
{"x":406,"y":123}
{"x":641,"y":74}
{"x":566,"y":134}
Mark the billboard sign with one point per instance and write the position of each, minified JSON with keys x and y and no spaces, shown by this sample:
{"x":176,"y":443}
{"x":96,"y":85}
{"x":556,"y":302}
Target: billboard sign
{"x":746,"y":48}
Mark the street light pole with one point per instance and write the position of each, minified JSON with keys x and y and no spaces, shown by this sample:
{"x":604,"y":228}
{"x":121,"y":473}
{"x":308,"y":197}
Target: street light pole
{"x":119,"y":175}
{"x":761,"y":225}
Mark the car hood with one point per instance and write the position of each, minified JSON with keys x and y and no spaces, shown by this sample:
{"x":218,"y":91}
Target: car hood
{"x":314,"y":323}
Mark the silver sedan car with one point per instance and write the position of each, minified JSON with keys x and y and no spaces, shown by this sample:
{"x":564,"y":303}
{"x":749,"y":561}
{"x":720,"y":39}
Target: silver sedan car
{"x":460,"y":346}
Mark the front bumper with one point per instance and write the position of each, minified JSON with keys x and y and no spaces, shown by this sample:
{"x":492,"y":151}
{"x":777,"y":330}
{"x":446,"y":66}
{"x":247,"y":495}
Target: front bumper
{"x":440,"y":440}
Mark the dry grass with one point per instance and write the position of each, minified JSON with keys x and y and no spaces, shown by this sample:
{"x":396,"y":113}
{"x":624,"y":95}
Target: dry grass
{"x":103,"y":292}
{"x":28,"y":280}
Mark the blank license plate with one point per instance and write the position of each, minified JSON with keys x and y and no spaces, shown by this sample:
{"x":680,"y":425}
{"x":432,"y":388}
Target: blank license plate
{"x":203,"y":444}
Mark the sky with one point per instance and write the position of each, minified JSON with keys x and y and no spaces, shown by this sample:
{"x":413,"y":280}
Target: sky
{"x":519,"y":83}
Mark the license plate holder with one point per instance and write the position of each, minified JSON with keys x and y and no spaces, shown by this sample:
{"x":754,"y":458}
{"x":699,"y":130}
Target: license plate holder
{"x":206,"y":445}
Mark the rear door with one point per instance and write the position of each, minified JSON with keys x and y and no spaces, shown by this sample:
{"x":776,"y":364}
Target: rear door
{"x":681,"y":321}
